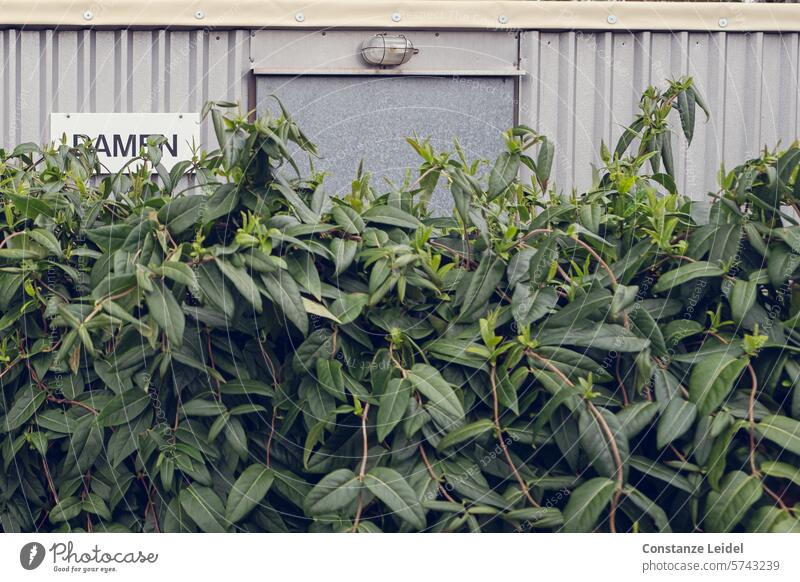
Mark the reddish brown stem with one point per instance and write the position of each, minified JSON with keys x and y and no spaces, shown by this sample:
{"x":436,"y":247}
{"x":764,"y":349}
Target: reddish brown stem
{"x":751,"y":418}
{"x":362,"y":471}
{"x":49,"y":478}
{"x":271,"y":434}
{"x":496,"y":402}
{"x":612,"y":443}
{"x":620,"y":383}
{"x":71,"y":403}
{"x":433,"y":475}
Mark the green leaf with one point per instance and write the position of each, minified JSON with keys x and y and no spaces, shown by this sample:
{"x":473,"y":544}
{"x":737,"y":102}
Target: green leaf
{"x":344,"y":252}
{"x":465,"y":433}
{"x":427,"y":380}
{"x":596,"y":441}
{"x":335,"y":491}
{"x":248,"y":491}
{"x":38,"y":440}
{"x":180,"y":214}
{"x":781,"y":430}
{"x":712,"y":380}
{"x":247,"y":387}
{"x":539,"y":267}
{"x":178,"y":272}
{"x":726,"y":508}
{"x":604,"y":336}
{"x":314,"y":308}
{"x":742,"y":298}
{"x":649,"y":507}
{"x":48,"y":240}
{"x":295,"y":202}
{"x":27,"y":402}
{"x":677,"y":418}
{"x":686,"y":109}
{"x":544,"y":161}
{"x":303,"y":270}
{"x":628,"y":135}
{"x":93,"y":503}
{"x":536,"y":517}
{"x":636,"y":416}
{"x":348,"y":306}
{"x":766,"y":519}
{"x":348,"y":219}
{"x":124,"y":408}
{"x":781,"y":471}
{"x":285,"y":294}
{"x":243,"y":282}
{"x":202,"y":407}
{"x":330,"y":378}
{"x":214,"y":289}
{"x":29,"y":206}
{"x":392,"y":406}
{"x":685,"y":274}
{"x":717,"y":458}
{"x":483,"y":283}
{"x":204,"y":507}
{"x":392,"y":216}
{"x":166,"y":312}
{"x":390,"y":487}
{"x":661,"y":472}
{"x":503,"y":173}
{"x":586,"y":503}
{"x":66,"y":509}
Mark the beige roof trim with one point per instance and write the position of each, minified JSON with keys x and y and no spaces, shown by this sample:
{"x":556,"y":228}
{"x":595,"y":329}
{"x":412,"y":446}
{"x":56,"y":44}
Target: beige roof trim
{"x":465,"y":14}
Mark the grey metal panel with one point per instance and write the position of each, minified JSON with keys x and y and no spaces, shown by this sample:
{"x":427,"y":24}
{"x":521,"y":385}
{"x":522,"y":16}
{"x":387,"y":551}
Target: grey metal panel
{"x":584,"y":87}
{"x":443,"y":51}
{"x":115,"y":70}
{"x":458,"y":86}
{"x":357,"y":118}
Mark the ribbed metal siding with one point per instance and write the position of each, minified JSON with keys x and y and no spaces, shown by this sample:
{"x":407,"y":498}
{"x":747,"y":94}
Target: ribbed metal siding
{"x":105,"y":71}
{"x":584,"y":87}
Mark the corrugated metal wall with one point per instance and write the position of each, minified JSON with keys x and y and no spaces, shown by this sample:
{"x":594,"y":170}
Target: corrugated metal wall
{"x":105,"y":71}
{"x":581,"y":88}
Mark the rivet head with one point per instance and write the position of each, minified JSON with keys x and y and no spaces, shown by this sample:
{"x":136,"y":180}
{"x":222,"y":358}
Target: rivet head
{"x":502,"y":19}
{"x":611,"y":19}
{"x":88,"y":15}
{"x":299,"y":17}
{"x":397,"y":17}
{"x":723,"y":22}
{"x":199,"y":15}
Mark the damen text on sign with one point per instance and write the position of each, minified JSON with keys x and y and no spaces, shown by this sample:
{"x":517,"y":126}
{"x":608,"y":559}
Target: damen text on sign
{"x":118,"y":137}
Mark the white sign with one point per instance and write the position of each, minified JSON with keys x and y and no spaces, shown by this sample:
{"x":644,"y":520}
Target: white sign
{"x":118,"y":137}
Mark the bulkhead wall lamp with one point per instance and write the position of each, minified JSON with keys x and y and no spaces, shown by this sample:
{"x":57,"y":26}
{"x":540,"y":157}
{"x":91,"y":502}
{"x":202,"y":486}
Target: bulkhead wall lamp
{"x":385,"y":50}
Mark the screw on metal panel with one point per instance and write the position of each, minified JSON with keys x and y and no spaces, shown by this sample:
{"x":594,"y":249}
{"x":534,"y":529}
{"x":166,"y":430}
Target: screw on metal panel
{"x":723,"y":22}
{"x":88,"y":15}
{"x":396,"y":17}
{"x":502,"y":19}
{"x":611,"y":19}
{"x":299,"y":17}
{"x":199,"y":15}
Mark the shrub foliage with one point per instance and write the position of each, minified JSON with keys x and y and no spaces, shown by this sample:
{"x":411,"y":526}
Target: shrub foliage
{"x":224,"y":347}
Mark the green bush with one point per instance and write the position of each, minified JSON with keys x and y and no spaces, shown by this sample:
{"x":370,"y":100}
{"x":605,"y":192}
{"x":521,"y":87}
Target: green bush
{"x":223,"y":347}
